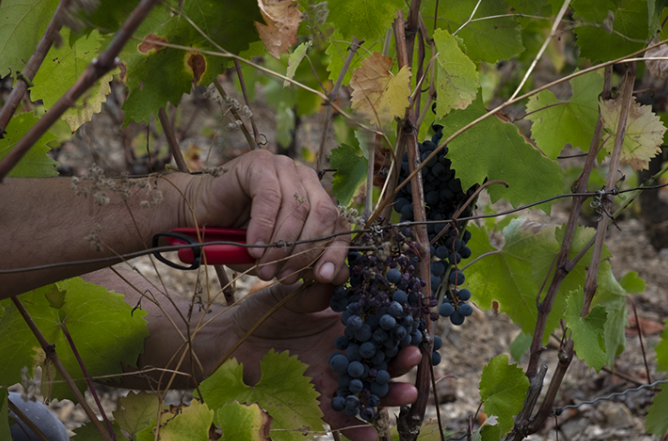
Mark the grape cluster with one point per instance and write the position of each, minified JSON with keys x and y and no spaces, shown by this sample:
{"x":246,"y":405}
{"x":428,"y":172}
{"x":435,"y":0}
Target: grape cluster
{"x":443,"y":197}
{"x":382,"y":308}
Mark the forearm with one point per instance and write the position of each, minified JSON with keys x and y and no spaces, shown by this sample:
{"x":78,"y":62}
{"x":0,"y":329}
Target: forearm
{"x":43,"y":221}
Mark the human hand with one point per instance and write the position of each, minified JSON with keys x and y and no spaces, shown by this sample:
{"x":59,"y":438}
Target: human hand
{"x":278,"y":201}
{"x":308,"y":328}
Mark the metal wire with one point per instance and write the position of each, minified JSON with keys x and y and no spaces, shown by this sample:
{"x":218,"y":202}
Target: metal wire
{"x":607,"y":397}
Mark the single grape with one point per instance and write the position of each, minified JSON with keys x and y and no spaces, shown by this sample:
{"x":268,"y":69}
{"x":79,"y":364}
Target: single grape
{"x":465,"y":309}
{"x":354,"y":322}
{"x":435,"y":358}
{"x":463,"y":294}
{"x":338,"y":303}
{"x":457,"y":318}
{"x":400,"y":297}
{"x":465,"y":252}
{"x":387,"y":322}
{"x":394,"y":276}
{"x":446,"y":309}
{"x":367,"y":350}
{"x":338,"y":403}
{"x":353,"y":352}
{"x":382,"y":377}
{"x":379,"y":336}
{"x":438,"y":342}
{"x":407,"y":212}
{"x":395,"y":309}
{"x":456,"y":277}
{"x":416,"y":338}
{"x":437,"y":268}
{"x":364,"y":333}
{"x":398,"y":333}
{"x":379,"y":389}
{"x":356,"y":386}
{"x":355,"y":369}
{"x":391,"y":352}
{"x":350,"y":411}
{"x":341,"y":343}
{"x":377,"y":358}
{"x":442,"y":252}
{"x":344,"y":380}
{"x":373,"y":400}
{"x":339,"y":363}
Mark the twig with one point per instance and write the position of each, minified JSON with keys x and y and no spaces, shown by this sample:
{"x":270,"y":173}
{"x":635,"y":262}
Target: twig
{"x":331,"y":97}
{"x":535,"y":388}
{"x":228,"y":288}
{"x":252,"y":143}
{"x":27,"y":421}
{"x":51,"y":355}
{"x":410,"y":421}
{"x":171,"y":140}
{"x":31,"y":68}
{"x":63,"y":326}
{"x":95,"y":70}
{"x":639,"y":329}
{"x":256,"y":134}
{"x":470,"y":18}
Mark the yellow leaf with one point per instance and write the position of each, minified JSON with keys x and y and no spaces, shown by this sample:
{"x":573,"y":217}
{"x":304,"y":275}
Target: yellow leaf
{"x":644,"y":132}
{"x":377,"y":94}
{"x":280,"y":32}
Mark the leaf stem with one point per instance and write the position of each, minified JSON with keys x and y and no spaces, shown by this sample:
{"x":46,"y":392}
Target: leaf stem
{"x":242,"y":83}
{"x":51,"y":355}
{"x":66,"y":332}
{"x":31,"y":67}
{"x":251,"y":143}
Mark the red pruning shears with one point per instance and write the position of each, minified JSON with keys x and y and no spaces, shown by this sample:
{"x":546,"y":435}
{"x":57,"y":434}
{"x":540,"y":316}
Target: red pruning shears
{"x":217,"y":254}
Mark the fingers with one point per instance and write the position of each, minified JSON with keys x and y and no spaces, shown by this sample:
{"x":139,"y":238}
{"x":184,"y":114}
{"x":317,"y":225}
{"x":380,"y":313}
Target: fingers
{"x":407,"y":358}
{"x":289,"y":204}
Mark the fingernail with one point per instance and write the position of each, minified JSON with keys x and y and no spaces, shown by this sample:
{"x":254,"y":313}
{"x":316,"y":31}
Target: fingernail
{"x":267,"y":272}
{"x":327,"y":271}
{"x":257,"y":252}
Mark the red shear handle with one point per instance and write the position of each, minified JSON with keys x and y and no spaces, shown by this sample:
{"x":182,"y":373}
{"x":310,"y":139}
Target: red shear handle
{"x":215,"y":254}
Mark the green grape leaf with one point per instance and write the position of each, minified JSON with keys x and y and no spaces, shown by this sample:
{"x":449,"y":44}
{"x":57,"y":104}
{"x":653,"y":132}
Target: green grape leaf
{"x":36,"y":163}
{"x":4,"y":414}
{"x":136,"y":411}
{"x":351,"y":171}
{"x":632,"y":283}
{"x":283,"y":391}
{"x":294,"y":60}
{"x":488,"y":40}
{"x":495,"y":149}
{"x":239,"y":421}
{"x":503,"y":388}
{"x":337,"y":51}
{"x":506,"y":276}
{"x":520,"y":345}
{"x":364,"y":19}
{"x":88,"y":432}
{"x":22,"y":24}
{"x":571,"y":121}
{"x":157,"y":75}
{"x":544,"y":259}
{"x":662,"y":350}
{"x":191,"y":423}
{"x":587,"y":332}
{"x":530,"y":7}
{"x":99,"y":321}
{"x":490,"y":433}
{"x":644,"y":132}
{"x":612,"y":29}
{"x":611,"y":295}
{"x":60,"y":70}
{"x":656,"y":422}
{"x":457,"y":77}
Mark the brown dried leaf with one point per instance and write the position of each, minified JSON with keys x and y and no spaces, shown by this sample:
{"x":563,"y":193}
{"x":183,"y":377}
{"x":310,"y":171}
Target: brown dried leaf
{"x":377,"y":94}
{"x":280,"y":32}
{"x":644,"y":132}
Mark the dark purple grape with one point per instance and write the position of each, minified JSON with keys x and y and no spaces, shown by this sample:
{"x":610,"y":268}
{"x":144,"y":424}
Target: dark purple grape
{"x":338,"y":403}
{"x":339,"y":363}
{"x":394,"y":276}
{"x":463,"y":294}
{"x":446,"y":309}
{"x":341,"y":343}
{"x":457,"y":318}
{"x":435,"y":358}
{"x":465,"y":309}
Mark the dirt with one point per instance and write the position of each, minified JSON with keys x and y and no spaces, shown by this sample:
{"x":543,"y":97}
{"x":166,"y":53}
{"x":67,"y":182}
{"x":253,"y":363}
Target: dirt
{"x":466,"y":349}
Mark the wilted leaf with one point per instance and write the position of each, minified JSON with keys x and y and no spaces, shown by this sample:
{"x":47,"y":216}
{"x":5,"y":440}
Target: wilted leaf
{"x":280,"y":32}
{"x":240,"y":421}
{"x":644,"y":132}
{"x":377,"y":94}
{"x":457,"y":83}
